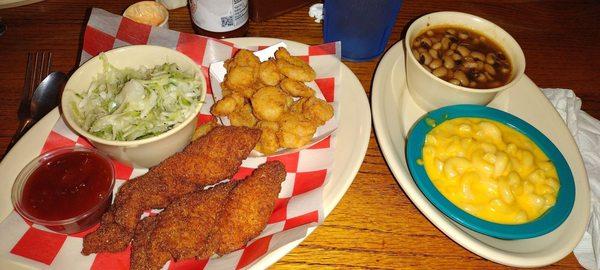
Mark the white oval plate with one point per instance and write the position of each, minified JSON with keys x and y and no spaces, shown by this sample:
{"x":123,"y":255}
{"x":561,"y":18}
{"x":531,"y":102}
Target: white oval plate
{"x":354,"y":130}
{"x":394,"y":112}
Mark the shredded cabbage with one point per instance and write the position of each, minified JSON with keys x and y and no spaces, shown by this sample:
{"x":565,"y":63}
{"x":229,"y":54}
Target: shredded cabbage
{"x":127,"y":104}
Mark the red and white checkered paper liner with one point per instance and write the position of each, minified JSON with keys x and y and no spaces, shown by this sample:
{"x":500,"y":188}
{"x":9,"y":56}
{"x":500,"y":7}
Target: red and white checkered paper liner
{"x":300,"y":203}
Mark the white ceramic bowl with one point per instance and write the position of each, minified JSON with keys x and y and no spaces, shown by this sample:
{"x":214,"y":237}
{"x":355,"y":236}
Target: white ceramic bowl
{"x":146,"y":152}
{"x":431,"y":92}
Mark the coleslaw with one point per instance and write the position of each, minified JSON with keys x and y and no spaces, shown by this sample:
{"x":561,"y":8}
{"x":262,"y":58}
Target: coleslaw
{"x":127,"y":104}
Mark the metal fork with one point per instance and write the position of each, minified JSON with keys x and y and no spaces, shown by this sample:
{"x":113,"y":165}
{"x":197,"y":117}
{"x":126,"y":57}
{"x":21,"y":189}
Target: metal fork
{"x":38,"y":67}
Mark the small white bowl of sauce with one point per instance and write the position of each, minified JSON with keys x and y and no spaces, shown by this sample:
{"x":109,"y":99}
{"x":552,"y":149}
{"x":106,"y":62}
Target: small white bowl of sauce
{"x":149,"y":13}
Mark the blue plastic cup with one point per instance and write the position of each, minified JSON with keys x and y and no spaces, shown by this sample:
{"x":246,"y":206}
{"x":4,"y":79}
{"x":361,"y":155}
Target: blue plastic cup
{"x":363,"y":26}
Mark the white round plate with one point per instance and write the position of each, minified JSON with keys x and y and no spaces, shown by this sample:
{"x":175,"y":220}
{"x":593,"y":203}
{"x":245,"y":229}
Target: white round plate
{"x":16,"y":3}
{"x":394,"y":112}
{"x":354,"y":129}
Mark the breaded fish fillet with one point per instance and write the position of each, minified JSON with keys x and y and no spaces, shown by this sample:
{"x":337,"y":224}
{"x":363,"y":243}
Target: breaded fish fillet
{"x":218,"y":220}
{"x":213,"y":157}
{"x":180,"y":230}
{"x":208,"y":160}
{"x":248,"y":208}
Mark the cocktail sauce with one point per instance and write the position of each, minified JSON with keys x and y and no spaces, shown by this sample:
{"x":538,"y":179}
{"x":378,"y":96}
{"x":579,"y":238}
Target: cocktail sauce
{"x":68,"y":191}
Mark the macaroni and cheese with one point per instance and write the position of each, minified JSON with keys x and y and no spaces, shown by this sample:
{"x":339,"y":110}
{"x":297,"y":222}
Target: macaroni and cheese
{"x":490,"y":170}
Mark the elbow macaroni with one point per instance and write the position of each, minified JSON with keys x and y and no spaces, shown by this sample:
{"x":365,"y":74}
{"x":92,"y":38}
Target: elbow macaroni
{"x":490,"y":170}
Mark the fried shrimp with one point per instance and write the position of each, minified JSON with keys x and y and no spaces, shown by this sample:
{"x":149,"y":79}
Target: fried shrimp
{"x":296,"y":88}
{"x":295,"y":130}
{"x":272,"y":96}
{"x":243,"y":117}
{"x":228,"y":104}
{"x":292,"y":67}
{"x":240,"y":79}
{"x":268,"y":73}
{"x":314,"y":109}
{"x":269,"y":103}
{"x":268,"y":143}
{"x":243,"y":58}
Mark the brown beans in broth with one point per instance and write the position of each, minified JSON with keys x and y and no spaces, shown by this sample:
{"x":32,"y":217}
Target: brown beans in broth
{"x":462,"y":57}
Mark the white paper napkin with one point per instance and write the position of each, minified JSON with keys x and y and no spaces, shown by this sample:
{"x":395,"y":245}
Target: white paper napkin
{"x":586,"y":131}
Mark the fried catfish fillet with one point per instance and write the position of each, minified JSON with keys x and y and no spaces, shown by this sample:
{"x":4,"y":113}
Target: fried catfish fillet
{"x":202,"y":223}
{"x":248,"y":208}
{"x":180,"y":230}
{"x":208,"y":160}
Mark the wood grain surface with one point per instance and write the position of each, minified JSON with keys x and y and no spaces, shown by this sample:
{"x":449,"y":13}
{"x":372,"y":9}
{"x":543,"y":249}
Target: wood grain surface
{"x":375,"y":225}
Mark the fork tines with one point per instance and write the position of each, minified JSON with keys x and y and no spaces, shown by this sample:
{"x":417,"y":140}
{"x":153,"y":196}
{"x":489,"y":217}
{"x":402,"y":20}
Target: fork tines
{"x":38,"y":67}
{"x":39,"y":63}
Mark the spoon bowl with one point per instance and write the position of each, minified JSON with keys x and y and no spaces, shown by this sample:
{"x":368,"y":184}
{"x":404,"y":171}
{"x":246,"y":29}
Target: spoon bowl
{"x":46,"y":95}
{"x":44,"y":99}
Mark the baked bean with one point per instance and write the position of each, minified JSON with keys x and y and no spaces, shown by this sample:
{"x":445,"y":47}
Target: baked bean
{"x":479,"y":65}
{"x":426,"y":43}
{"x":433,"y":53}
{"x":462,"y":57}
{"x":440,"y":72}
{"x":445,"y":43}
{"x":424,"y":58}
{"x":477,"y":55}
{"x":490,"y":58}
{"x":470,"y":64}
{"x":416,"y":43}
{"x":489,"y":69}
{"x":448,"y":62}
{"x":463,"y":50}
{"x":459,"y":75}
{"x":435,"y":64}
{"x":488,"y":76}
{"x":481,"y":78}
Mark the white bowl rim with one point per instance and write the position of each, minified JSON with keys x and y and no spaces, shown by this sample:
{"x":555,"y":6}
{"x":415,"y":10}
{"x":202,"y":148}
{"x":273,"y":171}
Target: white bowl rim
{"x":79,"y":130}
{"x":519,"y":50}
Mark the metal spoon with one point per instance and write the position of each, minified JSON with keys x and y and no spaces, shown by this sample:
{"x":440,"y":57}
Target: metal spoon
{"x":45,"y":98}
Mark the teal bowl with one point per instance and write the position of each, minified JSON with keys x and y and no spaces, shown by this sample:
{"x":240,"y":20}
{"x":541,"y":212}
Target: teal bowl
{"x":544,"y":224}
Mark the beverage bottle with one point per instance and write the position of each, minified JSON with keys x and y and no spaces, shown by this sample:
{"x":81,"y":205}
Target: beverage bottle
{"x":219,"y":18}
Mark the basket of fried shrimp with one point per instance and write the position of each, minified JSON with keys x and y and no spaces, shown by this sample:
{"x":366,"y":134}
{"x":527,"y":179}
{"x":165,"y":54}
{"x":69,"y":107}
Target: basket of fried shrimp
{"x":276,"y":92}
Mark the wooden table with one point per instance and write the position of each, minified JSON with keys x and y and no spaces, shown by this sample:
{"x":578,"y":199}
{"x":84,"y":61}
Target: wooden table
{"x":375,"y":225}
